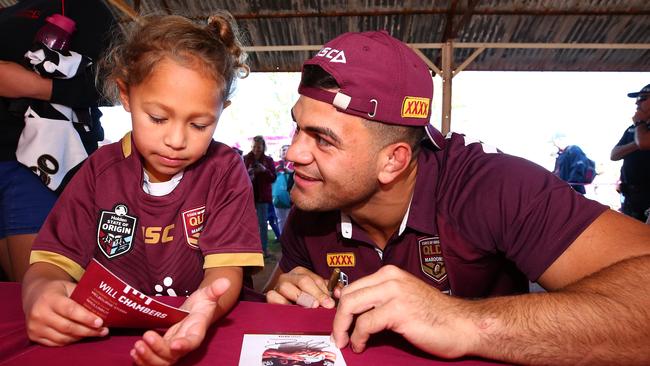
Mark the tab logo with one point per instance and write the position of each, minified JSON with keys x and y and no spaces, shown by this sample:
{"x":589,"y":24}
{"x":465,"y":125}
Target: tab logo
{"x":415,"y":107}
{"x":334,"y":55}
{"x":340,"y":259}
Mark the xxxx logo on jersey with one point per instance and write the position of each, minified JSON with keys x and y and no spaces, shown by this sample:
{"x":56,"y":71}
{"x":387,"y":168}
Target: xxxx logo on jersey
{"x":340,"y":259}
{"x":193,"y":222}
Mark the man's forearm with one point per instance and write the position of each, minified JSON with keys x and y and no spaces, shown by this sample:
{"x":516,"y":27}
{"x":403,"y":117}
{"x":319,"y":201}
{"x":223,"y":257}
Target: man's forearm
{"x":602,"y":319}
{"x":18,"y":82}
{"x":619,"y":152}
{"x":642,"y":136}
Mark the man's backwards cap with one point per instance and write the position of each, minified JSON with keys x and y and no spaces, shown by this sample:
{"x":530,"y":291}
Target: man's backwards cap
{"x":381,"y":79}
{"x":645,"y":90}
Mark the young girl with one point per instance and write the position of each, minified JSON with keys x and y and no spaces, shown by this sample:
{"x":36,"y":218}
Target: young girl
{"x":167,"y":209}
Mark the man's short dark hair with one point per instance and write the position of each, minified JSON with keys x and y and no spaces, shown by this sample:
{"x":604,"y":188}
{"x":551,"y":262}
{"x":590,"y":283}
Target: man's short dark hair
{"x":386,"y":134}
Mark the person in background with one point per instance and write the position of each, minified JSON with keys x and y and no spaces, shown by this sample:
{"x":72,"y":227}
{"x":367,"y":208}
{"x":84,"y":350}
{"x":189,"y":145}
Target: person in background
{"x":573,"y":167}
{"x":439,"y":236}
{"x":182,"y":202}
{"x":272,"y":219}
{"x":284,"y":171}
{"x":25,"y":200}
{"x":634,"y":149}
{"x":261,"y":171}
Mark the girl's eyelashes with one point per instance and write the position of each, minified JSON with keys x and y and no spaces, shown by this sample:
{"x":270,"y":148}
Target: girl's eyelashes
{"x":158,"y":120}
{"x":199,"y":127}
{"x":155,"y":119}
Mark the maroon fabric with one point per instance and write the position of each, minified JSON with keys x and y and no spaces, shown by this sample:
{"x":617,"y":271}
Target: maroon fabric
{"x":222,"y":345}
{"x":479,"y":224}
{"x":385,"y":80}
{"x":13,"y":335}
{"x":167,"y":228}
{"x":263,"y":181}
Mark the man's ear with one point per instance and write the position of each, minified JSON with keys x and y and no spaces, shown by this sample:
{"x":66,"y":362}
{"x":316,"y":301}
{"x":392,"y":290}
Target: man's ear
{"x":226,"y":104}
{"x":394,"y":159}
{"x":124,"y":94}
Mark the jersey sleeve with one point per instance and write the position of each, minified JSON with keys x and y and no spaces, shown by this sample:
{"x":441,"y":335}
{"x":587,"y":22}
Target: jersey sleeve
{"x":509,"y":205}
{"x":625,"y":139}
{"x":294,"y":251}
{"x":68,"y":239}
{"x":230,"y":236}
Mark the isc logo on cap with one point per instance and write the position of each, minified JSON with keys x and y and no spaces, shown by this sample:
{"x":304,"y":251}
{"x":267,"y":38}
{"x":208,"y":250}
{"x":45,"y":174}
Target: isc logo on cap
{"x":415,"y":107}
{"x":334,"y":55}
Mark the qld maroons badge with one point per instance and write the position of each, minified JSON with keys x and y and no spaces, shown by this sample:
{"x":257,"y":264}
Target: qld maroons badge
{"x":116,"y":231}
{"x":193,"y":221}
{"x":431,"y":260}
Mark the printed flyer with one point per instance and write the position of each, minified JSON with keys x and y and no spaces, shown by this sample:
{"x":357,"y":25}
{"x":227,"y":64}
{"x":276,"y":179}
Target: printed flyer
{"x":289,"y":349}
{"x":120,"y":305}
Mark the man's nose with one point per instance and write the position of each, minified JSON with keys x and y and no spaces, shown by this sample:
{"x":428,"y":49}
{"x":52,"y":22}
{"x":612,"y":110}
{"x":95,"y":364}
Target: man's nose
{"x":298,"y":152}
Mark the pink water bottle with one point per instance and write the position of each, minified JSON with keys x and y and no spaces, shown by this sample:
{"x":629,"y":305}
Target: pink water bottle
{"x":57,"y":32}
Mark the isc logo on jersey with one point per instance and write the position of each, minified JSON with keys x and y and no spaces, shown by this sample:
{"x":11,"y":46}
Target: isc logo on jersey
{"x":116,"y":231}
{"x":193,"y":221}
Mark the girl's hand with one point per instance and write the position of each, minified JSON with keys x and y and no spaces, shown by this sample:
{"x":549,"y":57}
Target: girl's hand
{"x":53,"y":319}
{"x":185,"y":335}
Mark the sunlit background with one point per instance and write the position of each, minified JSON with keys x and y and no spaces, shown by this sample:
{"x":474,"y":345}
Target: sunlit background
{"x":518,"y":112}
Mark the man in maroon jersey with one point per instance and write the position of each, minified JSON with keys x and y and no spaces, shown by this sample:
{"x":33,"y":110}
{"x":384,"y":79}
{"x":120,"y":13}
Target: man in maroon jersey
{"x":411,"y":221}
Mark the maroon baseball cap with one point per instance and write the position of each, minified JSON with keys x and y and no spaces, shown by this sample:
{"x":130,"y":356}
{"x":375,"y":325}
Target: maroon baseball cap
{"x":380,"y":78}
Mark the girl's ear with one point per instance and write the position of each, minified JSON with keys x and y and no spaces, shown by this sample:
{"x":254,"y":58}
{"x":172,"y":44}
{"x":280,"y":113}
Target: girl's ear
{"x":124,"y":94}
{"x":226,"y":104}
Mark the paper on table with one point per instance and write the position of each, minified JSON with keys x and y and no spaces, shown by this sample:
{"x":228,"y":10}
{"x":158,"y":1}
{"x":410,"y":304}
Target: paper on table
{"x":289,"y":349}
{"x":119,"y":304}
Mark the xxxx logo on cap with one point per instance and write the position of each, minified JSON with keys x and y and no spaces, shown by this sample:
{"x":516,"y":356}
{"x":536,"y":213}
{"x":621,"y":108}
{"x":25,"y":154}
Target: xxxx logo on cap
{"x":415,"y":107}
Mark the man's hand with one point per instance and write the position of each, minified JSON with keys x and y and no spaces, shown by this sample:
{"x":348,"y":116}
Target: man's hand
{"x":396,"y":300}
{"x":185,"y":335}
{"x":303,"y":287}
{"x":640,"y":116}
{"x":53,"y":319}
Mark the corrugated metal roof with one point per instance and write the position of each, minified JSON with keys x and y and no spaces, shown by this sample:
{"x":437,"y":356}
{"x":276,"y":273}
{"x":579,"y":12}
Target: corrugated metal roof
{"x":312,"y":22}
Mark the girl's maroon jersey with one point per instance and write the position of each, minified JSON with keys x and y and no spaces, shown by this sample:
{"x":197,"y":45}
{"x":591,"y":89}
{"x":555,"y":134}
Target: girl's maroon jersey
{"x":159,"y":245}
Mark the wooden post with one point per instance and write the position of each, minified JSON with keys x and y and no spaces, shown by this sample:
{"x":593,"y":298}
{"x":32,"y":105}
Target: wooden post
{"x":447,"y":75}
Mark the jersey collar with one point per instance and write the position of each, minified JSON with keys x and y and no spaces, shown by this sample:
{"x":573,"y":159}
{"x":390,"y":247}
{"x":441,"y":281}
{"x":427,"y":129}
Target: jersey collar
{"x":421,"y":214}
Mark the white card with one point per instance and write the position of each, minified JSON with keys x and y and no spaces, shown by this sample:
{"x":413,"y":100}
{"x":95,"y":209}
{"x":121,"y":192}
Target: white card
{"x":289,"y":349}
